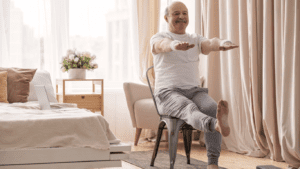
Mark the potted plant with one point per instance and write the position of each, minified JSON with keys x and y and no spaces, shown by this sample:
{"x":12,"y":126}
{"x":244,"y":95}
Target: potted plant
{"x":76,"y":63}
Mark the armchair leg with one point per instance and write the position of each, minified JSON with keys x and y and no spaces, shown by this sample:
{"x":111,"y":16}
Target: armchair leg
{"x":137,"y":136}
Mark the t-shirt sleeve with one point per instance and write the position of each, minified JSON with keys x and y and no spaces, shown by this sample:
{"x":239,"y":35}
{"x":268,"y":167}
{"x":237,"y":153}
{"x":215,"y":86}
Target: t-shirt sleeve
{"x":200,"y":40}
{"x":155,"y":38}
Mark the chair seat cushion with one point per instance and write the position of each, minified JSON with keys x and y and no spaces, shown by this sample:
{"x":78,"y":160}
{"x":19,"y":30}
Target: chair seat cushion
{"x":146,"y":114}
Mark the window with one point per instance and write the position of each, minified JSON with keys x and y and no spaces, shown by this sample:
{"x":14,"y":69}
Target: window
{"x":105,"y":34}
{"x":24,"y":43}
{"x":100,"y":27}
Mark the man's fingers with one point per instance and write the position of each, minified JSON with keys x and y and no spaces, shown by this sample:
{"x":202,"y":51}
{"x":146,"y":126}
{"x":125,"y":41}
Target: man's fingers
{"x":184,"y":46}
{"x":228,"y":47}
{"x":233,"y":45}
{"x":191,"y":46}
{"x":180,"y":46}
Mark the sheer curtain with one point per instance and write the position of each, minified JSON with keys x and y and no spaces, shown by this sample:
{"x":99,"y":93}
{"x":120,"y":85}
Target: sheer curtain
{"x":34,"y":34}
{"x":4,"y":31}
{"x":148,"y":17}
{"x":56,"y":35}
{"x":105,"y":29}
{"x":148,"y":13}
{"x":260,"y":79}
{"x":108,"y":29}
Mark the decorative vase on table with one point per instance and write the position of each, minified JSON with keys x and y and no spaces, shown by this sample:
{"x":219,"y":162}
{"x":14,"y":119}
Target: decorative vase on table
{"x":76,"y":63}
{"x":77,"y":73}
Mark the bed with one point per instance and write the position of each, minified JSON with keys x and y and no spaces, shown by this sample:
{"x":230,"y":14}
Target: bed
{"x":63,"y":137}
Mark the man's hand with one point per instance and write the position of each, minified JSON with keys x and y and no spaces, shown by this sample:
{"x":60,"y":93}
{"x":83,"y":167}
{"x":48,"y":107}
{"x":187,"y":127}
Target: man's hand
{"x":227,"y":46}
{"x":168,"y":45}
{"x":183,"y":46}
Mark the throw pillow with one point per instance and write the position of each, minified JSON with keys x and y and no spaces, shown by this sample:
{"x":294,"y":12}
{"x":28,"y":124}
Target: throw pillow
{"x":3,"y":87}
{"x":42,"y":77}
{"x":18,"y":80}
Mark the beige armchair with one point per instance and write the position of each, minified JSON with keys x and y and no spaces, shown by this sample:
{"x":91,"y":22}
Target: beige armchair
{"x":141,"y":107}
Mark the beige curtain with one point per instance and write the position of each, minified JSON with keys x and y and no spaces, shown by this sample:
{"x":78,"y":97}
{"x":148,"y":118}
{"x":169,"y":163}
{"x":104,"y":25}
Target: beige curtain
{"x":260,"y":79}
{"x":148,"y":25}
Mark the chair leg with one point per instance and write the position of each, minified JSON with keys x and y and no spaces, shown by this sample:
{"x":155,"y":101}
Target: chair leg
{"x":166,"y":135}
{"x":187,"y":138}
{"x":159,"y":134}
{"x":137,"y":135}
{"x":173,"y":129}
{"x":184,"y":133}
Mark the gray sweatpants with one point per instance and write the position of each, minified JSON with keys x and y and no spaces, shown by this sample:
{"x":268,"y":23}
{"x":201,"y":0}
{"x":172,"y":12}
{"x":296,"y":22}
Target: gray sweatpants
{"x":197,"y":109}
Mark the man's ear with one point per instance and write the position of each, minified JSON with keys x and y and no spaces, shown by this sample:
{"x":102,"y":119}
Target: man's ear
{"x":166,"y":18}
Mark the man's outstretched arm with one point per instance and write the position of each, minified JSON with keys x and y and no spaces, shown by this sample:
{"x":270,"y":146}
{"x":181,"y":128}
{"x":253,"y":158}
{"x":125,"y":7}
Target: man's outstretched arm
{"x":168,"y":45}
{"x":216,"y":44}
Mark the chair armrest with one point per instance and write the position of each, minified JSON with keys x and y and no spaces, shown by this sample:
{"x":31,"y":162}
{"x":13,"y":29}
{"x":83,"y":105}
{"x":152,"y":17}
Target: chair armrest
{"x":133,"y":93}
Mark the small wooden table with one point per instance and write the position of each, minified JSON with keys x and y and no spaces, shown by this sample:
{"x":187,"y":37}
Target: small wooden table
{"x":92,"y":101}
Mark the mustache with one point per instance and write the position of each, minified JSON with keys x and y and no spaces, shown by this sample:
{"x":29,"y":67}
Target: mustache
{"x":180,"y":20}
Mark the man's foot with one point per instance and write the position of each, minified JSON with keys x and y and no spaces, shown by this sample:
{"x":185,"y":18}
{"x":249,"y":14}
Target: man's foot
{"x":212,"y":166}
{"x":222,"y":118}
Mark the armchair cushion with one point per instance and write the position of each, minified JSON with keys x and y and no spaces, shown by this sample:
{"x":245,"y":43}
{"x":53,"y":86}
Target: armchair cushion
{"x":145,"y":114}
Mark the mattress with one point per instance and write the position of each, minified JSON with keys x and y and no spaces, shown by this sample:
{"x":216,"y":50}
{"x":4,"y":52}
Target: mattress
{"x":25,"y":126}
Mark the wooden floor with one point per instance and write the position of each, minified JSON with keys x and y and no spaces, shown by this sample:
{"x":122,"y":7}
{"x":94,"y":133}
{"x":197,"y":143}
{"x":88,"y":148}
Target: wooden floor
{"x":227,"y":159}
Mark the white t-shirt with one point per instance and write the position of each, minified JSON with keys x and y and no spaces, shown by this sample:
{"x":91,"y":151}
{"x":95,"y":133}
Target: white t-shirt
{"x":177,"y":68}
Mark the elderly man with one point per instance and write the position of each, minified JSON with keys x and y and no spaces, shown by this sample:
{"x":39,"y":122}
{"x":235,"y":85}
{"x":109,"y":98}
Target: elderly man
{"x":177,"y":91}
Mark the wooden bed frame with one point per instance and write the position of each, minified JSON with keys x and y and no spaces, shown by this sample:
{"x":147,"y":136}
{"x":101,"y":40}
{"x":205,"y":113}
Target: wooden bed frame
{"x":65,"y":158}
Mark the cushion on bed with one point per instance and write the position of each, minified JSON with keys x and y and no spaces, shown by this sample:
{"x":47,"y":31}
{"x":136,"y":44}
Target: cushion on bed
{"x":18,"y":80}
{"x":42,"y":77}
{"x":3,"y":87}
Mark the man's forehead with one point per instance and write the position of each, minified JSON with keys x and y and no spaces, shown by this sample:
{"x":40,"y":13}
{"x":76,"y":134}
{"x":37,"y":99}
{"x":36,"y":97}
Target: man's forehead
{"x":179,"y":10}
{"x":178,"y":7}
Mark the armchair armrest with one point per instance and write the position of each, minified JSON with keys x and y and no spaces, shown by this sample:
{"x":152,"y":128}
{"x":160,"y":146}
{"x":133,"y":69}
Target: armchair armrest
{"x":133,"y":93}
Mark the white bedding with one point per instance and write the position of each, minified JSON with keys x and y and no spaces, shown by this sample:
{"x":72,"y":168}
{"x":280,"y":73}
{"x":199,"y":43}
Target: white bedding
{"x":25,"y":126}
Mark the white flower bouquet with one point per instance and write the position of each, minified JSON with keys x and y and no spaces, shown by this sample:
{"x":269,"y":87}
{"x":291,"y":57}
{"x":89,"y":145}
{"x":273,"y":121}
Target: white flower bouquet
{"x":75,"y":59}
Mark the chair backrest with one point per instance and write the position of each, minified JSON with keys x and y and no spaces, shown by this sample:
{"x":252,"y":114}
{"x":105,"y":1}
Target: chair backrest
{"x":150,"y":87}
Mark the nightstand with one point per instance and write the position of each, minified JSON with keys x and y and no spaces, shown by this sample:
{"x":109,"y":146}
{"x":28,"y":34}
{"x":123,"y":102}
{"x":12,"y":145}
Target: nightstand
{"x":89,"y":100}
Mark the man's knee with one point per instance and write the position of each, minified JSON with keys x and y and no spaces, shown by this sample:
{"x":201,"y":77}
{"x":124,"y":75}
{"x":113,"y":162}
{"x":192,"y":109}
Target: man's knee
{"x":210,"y":109}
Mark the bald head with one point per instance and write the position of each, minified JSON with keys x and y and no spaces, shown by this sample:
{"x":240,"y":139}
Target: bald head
{"x":176,"y":14}
{"x":173,"y":3}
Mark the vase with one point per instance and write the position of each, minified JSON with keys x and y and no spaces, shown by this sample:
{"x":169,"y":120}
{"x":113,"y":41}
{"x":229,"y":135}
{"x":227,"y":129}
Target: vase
{"x":77,"y":73}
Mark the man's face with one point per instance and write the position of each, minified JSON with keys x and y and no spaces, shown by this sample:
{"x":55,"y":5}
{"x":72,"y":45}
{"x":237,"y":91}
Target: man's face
{"x":178,"y":18}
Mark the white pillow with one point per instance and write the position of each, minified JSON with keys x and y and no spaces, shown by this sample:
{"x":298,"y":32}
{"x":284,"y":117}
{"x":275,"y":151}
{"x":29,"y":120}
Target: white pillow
{"x":42,"y":77}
